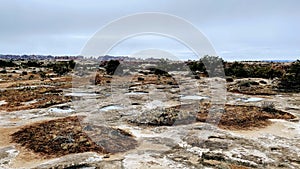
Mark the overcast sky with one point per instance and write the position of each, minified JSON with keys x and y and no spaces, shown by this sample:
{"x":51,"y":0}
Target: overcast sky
{"x":238,"y":29}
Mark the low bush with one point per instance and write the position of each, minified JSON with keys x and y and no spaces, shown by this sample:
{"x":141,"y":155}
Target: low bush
{"x":229,"y":79}
{"x":268,"y":107}
{"x":31,"y":77}
{"x":112,"y":67}
{"x":290,"y":82}
{"x":24,"y":73}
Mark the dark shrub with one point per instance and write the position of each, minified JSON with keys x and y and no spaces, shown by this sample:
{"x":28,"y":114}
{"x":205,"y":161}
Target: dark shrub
{"x":31,"y":77}
{"x":229,"y":79}
{"x":290,"y":82}
{"x":42,"y":74}
{"x":24,"y":73}
{"x":31,"y":63}
{"x":159,"y":72}
{"x":237,"y":70}
{"x":214,"y":66}
{"x":253,"y":83}
{"x":63,"y":67}
{"x":196,"y":66}
{"x":140,"y":79}
{"x":3,"y":71}
{"x":244,"y":84}
{"x":72,"y":64}
{"x":60,"y":69}
{"x":268,"y":107}
{"x":262,"y":82}
{"x":111,"y":67}
{"x":4,"y":63}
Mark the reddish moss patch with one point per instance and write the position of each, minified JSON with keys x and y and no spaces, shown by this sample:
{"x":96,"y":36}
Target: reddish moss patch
{"x":44,"y":96}
{"x":64,"y":136}
{"x":244,"y":117}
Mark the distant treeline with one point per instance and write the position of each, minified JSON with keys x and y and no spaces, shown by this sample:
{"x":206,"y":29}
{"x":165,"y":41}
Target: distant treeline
{"x":5,"y":63}
{"x":37,"y":57}
{"x":58,"y":67}
{"x":287,"y":74}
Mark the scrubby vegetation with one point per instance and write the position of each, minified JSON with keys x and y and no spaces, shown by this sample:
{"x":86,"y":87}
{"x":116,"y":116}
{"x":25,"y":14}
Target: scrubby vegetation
{"x":235,"y":69}
{"x":168,"y":66}
{"x":63,"y":67}
{"x":287,"y":74}
{"x":159,"y":72}
{"x":268,"y":107}
{"x":32,"y":63}
{"x":209,"y":65}
{"x":112,"y":67}
{"x":241,"y":70}
{"x":6,"y":63}
{"x":291,"y":79}
{"x":42,"y":74}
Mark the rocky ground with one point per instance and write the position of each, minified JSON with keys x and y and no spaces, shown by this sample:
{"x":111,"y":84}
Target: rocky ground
{"x":145,"y":121}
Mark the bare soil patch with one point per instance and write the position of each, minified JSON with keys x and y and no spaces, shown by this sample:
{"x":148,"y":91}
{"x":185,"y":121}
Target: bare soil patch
{"x":5,"y":136}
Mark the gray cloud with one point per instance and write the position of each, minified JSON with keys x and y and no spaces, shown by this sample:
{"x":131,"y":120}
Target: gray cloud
{"x":237,"y":29}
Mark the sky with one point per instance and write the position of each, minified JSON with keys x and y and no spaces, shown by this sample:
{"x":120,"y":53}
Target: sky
{"x":237,"y":29}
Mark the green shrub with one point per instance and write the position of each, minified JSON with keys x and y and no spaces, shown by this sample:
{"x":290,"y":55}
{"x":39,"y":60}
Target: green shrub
{"x":63,"y":67}
{"x":209,"y":65}
{"x":290,"y":82}
{"x":236,"y":69}
{"x":31,"y":77}
{"x":42,"y":74}
{"x":268,"y":107}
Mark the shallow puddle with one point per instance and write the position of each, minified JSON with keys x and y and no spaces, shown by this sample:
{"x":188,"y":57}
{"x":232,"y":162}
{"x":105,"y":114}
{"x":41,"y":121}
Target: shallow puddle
{"x":80,"y":94}
{"x":136,"y":93}
{"x":111,"y":107}
{"x":59,"y":110}
{"x":251,"y":99}
{"x":193,"y":97}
